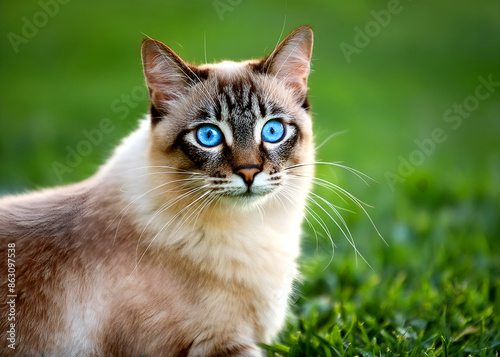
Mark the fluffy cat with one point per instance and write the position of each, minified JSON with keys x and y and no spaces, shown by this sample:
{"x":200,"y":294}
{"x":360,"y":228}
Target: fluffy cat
{"x":184,"y":243}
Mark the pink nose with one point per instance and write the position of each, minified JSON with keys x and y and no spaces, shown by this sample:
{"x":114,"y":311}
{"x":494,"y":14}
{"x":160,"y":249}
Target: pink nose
{"x":248,"y":174}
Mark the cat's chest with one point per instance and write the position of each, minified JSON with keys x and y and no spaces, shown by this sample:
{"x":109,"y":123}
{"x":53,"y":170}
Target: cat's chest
{"x":220,"y":280}
{"x":253,"y":297}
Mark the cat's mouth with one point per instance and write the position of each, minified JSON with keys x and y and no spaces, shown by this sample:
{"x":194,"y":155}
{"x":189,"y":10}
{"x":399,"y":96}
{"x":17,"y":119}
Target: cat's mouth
{"x":234,"y":187}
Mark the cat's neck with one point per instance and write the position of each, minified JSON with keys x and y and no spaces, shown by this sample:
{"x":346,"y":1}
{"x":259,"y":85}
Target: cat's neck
{"x":129,"y":160}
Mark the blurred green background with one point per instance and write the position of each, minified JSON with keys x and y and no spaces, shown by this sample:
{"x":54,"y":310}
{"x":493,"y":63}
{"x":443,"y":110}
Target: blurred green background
{"x":66,"y":66}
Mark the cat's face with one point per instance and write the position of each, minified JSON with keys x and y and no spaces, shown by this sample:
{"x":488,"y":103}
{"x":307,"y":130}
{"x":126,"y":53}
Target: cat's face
{"x":233,"y":129}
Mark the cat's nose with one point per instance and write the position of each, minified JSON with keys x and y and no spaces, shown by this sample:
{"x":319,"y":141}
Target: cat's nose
{"x":248,"y":174}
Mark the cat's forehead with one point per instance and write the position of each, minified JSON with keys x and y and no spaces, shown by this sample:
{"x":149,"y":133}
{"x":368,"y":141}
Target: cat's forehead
{"x":239,"y":89}
{"x":233,"y":76}
{"x":239,"y":94}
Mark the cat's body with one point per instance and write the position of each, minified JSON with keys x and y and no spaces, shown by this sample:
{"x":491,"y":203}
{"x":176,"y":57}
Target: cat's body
{"x":179,"y":245}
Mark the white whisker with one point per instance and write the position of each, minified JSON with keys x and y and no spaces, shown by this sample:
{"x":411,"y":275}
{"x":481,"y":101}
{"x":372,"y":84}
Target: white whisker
{"x":284,"y":191}
{"x":319,"y":201}
{"x":124,"y":209}
{"x":165,"y":207}
{"x":337,"y":164}
{"x":162,"y":229}
{"x":330,"y":137}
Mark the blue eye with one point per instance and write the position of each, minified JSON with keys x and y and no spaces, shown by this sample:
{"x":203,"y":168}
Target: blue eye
{"x":273,"y":131}
{"x":209,"y":135}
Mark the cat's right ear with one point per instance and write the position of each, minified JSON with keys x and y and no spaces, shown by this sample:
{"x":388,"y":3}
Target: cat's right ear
{"x":290,"y":62}
{"x":168,"y":77}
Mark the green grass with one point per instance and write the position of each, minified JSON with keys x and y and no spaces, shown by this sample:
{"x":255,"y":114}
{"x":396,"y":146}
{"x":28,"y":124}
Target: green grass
{"x":434,"y":290}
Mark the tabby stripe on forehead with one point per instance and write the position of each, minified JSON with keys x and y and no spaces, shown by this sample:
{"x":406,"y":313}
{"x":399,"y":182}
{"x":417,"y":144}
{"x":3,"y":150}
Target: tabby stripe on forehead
{"x":217,"y":110}
{"x":224,"y":107}
{"x":230,"y":97}
{"x":245,"y":96}
{"x":260,"y":106}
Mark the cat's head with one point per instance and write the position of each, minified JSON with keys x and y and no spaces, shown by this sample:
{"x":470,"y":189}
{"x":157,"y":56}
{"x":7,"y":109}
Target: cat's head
{"x":230,"y":130}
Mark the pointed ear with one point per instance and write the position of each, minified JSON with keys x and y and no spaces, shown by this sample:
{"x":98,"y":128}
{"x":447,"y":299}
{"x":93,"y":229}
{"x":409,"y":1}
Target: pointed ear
{"x":168,"y":77}
{"x":290,"y":62}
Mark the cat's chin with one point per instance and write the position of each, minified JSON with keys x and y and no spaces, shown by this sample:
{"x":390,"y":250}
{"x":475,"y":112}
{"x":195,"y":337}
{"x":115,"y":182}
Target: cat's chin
{"x":245,"y":200}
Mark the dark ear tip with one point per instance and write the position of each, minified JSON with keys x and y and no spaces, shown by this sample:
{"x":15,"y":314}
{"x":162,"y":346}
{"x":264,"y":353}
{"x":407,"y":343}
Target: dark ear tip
{"x":146,"y":46}
{"x":148,"y":43}
{"x":151,"y":47}
{"x":305,"y":30}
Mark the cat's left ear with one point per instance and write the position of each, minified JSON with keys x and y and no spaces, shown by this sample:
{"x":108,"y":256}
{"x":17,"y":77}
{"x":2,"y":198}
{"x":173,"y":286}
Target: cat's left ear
{"x":290,"y":62}
{"x":168,"y":77}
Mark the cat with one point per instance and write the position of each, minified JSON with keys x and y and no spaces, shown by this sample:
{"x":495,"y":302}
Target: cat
{"x":185,"y":242}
